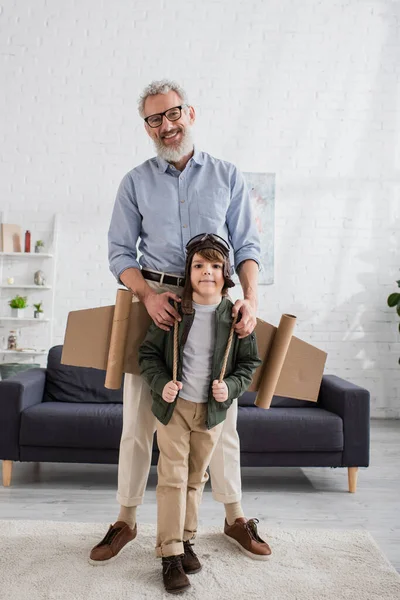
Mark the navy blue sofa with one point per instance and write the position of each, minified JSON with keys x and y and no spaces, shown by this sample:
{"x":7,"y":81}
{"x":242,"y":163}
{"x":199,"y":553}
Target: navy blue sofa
{"x":65,"y":414}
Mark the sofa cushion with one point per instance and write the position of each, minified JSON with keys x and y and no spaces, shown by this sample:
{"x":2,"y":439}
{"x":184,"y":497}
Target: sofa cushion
{"x":289,"y":430}
{"x":71,"y":425}
{"x":76,"y":384}
{"x":248,"y":398}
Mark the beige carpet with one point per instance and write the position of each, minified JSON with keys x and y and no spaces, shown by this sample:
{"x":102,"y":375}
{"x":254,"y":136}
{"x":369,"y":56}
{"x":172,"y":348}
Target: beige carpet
{"x":46,"y":560}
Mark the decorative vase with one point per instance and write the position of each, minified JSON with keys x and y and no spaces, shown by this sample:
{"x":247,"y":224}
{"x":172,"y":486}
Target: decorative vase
{"x":38,"y":315}
{"x":39,"y":249}
{"x":18,"y":312}
{"x":12,"y":340}
{"x":39,"y":278}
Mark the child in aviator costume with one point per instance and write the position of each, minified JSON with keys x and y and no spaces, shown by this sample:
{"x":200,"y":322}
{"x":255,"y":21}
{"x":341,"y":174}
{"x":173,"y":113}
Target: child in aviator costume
{"x":191,"y":410}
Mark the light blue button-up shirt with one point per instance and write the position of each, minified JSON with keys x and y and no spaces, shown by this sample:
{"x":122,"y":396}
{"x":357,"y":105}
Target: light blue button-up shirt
{"x":163,"y":208}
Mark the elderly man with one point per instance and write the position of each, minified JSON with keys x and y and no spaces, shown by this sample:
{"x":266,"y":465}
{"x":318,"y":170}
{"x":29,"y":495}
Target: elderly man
{"x":162,"y":204}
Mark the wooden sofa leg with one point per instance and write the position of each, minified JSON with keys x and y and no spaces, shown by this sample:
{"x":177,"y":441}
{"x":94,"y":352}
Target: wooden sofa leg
{"x":7,"y":471}
{"x":352,"y":476}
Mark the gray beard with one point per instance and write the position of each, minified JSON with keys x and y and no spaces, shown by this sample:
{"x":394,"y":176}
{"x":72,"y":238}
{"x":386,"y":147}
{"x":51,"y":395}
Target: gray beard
{"x":173,"y":155}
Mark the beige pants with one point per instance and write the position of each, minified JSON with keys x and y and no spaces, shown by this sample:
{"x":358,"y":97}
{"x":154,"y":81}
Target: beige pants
{"x":186,"y":447}
{"x":139,"y":425}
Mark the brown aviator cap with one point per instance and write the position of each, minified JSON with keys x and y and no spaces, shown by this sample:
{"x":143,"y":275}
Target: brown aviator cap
{"x":204,"y":241}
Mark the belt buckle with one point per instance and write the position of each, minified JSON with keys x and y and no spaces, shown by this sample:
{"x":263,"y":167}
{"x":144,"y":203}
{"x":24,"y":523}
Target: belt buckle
{"x":162,"y":278}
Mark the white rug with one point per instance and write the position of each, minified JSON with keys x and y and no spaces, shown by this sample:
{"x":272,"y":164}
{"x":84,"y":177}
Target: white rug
{"x":46,"y":560}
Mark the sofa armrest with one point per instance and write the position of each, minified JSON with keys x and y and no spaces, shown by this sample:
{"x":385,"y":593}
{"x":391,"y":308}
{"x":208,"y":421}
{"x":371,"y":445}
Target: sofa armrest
{"x":16,"y":394}
{"x":352,"y":404}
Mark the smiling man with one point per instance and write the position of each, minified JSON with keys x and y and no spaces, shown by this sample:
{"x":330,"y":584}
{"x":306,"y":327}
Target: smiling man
{"x":174,"y":142}
{"x":161,"y":204}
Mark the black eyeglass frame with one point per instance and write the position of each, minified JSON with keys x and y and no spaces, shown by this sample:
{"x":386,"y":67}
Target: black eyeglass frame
{"x":164,"y":114}
{"x":202,"y":237}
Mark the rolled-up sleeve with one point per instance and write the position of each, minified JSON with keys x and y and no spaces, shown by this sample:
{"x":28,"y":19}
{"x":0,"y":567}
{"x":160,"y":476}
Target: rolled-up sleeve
{"x":124,"y":230}
{"x":241,"y":224}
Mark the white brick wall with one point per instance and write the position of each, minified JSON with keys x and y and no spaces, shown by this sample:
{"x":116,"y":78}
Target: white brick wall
{"x":307,"y":90}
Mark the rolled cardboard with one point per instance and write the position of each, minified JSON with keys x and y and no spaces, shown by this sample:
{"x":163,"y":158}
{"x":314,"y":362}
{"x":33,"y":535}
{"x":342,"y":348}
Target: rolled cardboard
{"x":273,"y":363}
{"x":119,"y":334}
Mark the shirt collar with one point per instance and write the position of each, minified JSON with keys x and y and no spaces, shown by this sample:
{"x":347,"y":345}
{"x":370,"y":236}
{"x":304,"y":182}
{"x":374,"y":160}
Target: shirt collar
{"x":162,"y":164}
{"x":197,"y":158}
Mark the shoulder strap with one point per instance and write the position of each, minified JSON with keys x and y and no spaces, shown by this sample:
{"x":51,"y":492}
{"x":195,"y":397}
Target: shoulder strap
{"x":228,"y":347}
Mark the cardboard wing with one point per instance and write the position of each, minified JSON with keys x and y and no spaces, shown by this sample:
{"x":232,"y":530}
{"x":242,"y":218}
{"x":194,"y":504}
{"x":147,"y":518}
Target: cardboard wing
{"x":108,"y":338}
{"x":290,"y":367}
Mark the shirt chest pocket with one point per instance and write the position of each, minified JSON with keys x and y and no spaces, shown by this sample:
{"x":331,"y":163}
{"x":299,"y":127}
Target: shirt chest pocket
{"x":213,"y":203}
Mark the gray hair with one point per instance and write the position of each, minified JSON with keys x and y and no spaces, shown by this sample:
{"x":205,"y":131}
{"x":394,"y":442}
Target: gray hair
{"x":160,"y":87}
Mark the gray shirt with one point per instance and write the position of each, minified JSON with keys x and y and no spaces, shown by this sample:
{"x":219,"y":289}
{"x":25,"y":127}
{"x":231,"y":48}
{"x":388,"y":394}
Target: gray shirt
{"x":198,"y":353}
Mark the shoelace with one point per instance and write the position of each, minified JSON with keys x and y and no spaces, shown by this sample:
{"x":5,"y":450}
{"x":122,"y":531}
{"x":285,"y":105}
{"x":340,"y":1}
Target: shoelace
{"x":189,"y":548}
{"x":174,"y":562}
{"x":110,"y":535}
{"x":251,"y":528}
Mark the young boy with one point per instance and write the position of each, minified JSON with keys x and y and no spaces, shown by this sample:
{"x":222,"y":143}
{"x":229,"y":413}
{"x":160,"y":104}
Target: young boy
{"x":191,"y":410}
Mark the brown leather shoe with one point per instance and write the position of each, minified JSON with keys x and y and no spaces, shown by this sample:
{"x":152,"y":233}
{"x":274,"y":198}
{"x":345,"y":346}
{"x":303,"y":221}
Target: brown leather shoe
{"x":190,"y":561}
{"x":116,"y":538}
{"x":174,"y":577}
{"x":243,"y":533}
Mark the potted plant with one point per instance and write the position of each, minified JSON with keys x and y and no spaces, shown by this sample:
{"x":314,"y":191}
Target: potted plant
{"x":18,"y":305}
{"x":39,"y":246}
{"x":394,"y":302}
{"x":38,"y":314}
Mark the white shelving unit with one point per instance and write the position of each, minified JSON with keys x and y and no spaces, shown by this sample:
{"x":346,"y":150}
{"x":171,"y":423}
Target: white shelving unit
{"x":35,"y":260}
{"x":26,"y":254}
{"x":25,"y":352}
{"x":25,"y":287}
{"x":24,"y":319}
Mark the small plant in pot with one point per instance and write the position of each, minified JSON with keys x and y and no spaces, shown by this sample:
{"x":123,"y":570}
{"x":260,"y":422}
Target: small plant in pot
{"x":394,"y":302}
{"x":38,"y":314}
{"x":18,"y":305}
{"x":39,"y":246}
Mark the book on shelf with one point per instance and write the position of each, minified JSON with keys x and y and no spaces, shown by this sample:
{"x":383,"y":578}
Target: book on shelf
{"x":10,"y":238}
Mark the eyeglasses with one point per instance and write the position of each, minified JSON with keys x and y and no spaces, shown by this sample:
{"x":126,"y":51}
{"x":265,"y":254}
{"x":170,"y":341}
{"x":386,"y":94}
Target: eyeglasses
{"x":172,"y":114}
{"x":202,"y":237}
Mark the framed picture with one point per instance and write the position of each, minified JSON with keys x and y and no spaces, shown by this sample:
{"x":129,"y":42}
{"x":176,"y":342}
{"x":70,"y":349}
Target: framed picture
{"x":262,"y":193}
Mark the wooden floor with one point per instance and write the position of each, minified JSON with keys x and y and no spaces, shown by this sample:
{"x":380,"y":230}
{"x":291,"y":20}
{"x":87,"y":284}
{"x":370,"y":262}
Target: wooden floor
{"x":285,"y":497}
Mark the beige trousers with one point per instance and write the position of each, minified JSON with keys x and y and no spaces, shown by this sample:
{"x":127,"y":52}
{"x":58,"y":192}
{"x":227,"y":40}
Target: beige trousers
{"x":139,"y":425}
{"x":186,"y":447}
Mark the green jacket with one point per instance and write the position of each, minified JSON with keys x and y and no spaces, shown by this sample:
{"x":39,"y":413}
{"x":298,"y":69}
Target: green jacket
{"x":156,"y":363}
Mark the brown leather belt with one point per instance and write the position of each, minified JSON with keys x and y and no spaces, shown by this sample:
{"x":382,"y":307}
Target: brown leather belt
{"x":164,"y":278}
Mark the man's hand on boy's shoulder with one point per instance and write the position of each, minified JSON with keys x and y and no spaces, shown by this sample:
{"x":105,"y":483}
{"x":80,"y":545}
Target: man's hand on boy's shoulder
{"x":170,"y":390}
{"x":220,"y":390}
{"x":247,"y":319}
